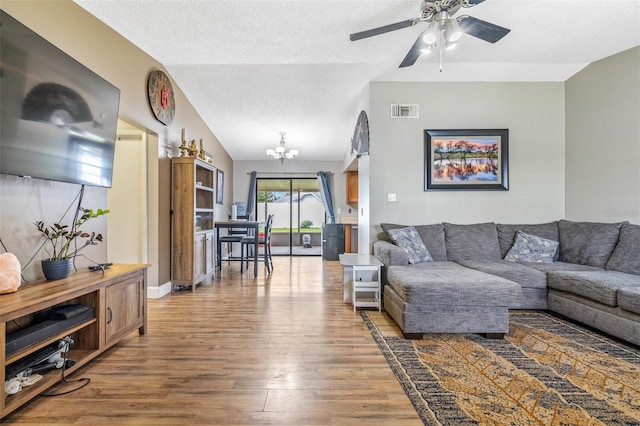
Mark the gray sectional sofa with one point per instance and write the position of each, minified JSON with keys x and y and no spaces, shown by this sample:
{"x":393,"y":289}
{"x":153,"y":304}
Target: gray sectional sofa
{"x":451,"y":278}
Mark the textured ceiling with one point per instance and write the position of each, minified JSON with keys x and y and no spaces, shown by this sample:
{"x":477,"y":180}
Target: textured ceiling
{"x":255,"y":68}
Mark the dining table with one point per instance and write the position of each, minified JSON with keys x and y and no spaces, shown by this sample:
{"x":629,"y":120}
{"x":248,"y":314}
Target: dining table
{"x":250,"y":226}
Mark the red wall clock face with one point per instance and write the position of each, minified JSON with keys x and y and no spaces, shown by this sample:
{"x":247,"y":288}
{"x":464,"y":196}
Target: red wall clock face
{"x":161,"y":97}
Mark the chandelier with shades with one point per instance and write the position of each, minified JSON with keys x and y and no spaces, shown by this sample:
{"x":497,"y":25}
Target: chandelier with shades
{"x":280,"y":153}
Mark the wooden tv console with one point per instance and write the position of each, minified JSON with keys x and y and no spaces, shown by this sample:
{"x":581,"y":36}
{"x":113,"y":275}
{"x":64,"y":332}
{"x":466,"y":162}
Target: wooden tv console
{"x":118,"y":297}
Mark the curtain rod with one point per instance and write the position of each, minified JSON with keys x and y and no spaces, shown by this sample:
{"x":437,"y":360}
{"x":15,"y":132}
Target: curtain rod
{"x":287,"y":173}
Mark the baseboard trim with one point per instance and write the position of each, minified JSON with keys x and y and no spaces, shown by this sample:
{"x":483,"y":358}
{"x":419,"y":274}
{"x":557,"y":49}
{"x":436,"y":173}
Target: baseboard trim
{"x":160,"y":291}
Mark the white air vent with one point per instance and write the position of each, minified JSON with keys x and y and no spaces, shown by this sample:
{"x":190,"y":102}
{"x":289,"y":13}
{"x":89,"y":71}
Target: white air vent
{"x":405,"y":111}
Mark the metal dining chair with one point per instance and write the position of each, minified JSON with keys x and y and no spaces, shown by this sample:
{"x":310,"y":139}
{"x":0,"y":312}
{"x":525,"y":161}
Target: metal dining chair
{"x":263,"y":240}
{"x":234,"y":235}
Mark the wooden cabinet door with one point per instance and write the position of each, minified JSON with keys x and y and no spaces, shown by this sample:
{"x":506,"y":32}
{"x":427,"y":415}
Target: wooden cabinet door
{"x":352,"y":187}
{"x":210,"y":252}
{"x":124,"y":308}
{"x":200,"y":258}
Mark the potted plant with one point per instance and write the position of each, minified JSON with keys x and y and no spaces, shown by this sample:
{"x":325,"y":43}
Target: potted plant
{"x":61,"y":245}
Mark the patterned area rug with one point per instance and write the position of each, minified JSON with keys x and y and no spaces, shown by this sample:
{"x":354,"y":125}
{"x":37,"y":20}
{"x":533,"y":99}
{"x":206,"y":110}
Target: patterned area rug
{"x":546,"y":371}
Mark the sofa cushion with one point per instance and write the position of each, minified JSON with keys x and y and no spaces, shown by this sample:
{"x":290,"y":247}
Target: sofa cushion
{"x":432,"y":236}
{"x":626,"y":255}
{"x":587,"y":243}
{"x":531,"y":248}
{"x":446,"y":283}
{"x":629,"y":299}
{"x":560,"y":266}
{"x":476,"y":242}
{"x":408,"y":239}
{"x":600,"y":286}
{"x":525,"y":276}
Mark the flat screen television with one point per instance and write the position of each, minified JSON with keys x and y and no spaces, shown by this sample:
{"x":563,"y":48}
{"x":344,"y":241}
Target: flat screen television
{"x":58,"y":118}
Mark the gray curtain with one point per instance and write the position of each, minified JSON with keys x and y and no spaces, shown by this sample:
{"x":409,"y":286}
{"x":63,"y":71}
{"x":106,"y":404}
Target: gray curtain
{"x":324,"y":180}
{"x":251,"y":201}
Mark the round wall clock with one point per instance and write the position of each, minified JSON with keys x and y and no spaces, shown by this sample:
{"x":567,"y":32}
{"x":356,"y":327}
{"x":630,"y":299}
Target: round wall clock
{"x":161,"y":97}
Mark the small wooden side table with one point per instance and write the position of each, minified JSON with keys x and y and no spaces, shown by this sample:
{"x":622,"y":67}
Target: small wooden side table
{"x":361,"y":284}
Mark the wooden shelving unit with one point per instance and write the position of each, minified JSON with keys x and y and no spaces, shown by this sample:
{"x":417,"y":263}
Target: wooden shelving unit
{"x":118,"y":297}
{"x":192,"y":222}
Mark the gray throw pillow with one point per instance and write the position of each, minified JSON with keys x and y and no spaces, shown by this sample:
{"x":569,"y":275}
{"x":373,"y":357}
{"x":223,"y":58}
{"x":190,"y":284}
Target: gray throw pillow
{"x":431,"y":235}
{"x":409,"y":240}
{"x":626,"y":255}
{"x":587,"y":243}
{"x":531,"y":248}
{"x":507,"y":233}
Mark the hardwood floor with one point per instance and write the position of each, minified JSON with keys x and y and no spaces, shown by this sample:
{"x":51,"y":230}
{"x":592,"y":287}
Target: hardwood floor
{"x":280,"y":349}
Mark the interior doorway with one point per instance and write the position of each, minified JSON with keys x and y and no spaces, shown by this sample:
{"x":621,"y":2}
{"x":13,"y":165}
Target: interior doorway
{"x":127,"y":198}
{"x":298,"y":214}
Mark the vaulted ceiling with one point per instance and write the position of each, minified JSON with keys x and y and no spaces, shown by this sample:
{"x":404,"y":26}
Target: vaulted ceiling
{"x":253,"y":69}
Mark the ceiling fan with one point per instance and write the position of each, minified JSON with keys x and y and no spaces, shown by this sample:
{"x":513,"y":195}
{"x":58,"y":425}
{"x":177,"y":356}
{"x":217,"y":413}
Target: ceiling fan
{"x":444,"y":29}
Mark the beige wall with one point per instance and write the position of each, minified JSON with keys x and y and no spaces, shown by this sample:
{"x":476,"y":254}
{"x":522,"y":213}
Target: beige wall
{"x":534,"y":115}
{"x":603,"y":140}
{"x":98,"y":47}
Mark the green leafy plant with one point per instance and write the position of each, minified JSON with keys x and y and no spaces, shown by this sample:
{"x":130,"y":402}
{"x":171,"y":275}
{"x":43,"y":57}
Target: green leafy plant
{"x":61,"y":239}
{"x":306,"y":224}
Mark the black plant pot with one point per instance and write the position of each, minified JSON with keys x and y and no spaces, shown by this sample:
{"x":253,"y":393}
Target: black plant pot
{"x":56,"y":269}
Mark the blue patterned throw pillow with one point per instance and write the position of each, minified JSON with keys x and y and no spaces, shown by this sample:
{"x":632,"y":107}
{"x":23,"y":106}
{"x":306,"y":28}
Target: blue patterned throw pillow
{"x":409,"y":240}
{"x":531,"y":248}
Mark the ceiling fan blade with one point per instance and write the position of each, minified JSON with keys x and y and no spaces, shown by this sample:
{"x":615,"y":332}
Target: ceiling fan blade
{"x":414,"y":52}
{"x":381,"y":30}
{"x":482,"y":29}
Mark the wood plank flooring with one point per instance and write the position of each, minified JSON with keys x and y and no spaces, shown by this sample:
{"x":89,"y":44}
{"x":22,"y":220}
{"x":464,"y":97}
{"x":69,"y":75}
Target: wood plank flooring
{"x":280,"y":349}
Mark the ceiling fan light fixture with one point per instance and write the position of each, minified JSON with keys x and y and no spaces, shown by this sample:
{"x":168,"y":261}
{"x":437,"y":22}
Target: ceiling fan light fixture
{"x":430,"y":36}
{"x":443,"y":29}
{"x":271,"y":152}
{"x":452,"y":30}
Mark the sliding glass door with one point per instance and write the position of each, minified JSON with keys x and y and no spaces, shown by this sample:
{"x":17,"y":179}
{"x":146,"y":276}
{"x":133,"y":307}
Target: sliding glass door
{"x":297,"y":211}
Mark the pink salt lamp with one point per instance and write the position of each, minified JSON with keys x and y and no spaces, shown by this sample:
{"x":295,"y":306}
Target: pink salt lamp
{"x":9,"y":273}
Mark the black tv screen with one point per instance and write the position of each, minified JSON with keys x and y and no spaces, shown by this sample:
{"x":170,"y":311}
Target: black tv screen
{"x":58,"y":118}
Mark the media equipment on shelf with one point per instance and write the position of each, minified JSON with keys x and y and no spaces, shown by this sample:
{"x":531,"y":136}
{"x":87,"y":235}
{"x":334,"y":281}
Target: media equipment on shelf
{"x":60,"y":318}
{"x":50,"y":357}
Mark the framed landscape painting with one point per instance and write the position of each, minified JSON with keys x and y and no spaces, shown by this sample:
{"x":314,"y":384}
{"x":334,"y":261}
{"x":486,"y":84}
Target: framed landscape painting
{"x":466,"y":159}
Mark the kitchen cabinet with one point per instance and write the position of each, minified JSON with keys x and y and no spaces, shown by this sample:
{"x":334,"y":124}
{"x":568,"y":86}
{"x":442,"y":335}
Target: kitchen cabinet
{"x":352,"y":187}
